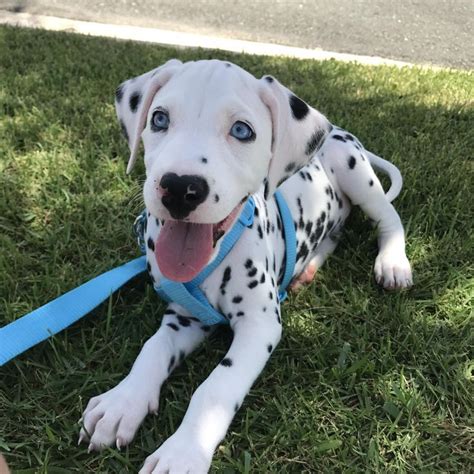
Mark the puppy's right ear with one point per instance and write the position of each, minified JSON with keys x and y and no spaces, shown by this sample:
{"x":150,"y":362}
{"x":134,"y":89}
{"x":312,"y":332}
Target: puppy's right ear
{"x":133,"y":99}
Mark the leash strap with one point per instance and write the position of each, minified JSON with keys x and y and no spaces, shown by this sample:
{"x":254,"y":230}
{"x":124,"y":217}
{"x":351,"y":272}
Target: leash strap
{"x":60,"y":313}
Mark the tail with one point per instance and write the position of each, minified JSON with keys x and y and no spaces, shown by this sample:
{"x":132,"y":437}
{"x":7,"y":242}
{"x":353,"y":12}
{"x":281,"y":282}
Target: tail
{"x":392,"y":171}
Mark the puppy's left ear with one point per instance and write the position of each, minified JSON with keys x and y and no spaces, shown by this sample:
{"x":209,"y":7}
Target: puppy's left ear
{"x":298,"y":131}
{"x":133,"y":99}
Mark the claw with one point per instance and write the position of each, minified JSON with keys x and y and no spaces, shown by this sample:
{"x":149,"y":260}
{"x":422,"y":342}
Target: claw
{"x":81,"y":439}
{"x":90,"y":448}
{"x":117,"y":443}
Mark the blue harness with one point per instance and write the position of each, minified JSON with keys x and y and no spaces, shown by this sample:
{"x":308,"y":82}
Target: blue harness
{"x":190,"y":296}
{"x":53,"y":317}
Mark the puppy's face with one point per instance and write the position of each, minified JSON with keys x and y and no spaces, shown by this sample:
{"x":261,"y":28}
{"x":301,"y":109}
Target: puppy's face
{"x":212,"y":134}
{"x":207,"y":143}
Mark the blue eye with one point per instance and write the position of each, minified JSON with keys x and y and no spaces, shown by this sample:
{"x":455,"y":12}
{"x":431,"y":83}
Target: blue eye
{"x":242,"y":132}
{"x":160,"y":121}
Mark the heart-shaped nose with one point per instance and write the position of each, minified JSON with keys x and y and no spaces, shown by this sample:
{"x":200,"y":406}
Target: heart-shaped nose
{"x":183,"y":194}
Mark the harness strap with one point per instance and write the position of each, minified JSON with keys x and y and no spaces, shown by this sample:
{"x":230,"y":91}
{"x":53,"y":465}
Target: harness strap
{"x":189,"y":295}
{"x":290,"y":244}
{"x":60,"y":313}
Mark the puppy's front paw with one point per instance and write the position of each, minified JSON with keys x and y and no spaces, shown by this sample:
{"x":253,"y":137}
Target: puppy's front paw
{"x":393,"y":271}
{"x":179,"y":454}
{"x":114,"y":416}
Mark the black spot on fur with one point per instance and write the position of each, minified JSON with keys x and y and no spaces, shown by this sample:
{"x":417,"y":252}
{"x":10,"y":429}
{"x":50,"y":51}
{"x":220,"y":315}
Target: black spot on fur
{"x":303,"y":175}
{"x":151,"y":244}
{"x":299,"y":108}
{"x":339,"y":137}
{"x":290,"y":167}
{"x":227,"y":362}
{"x":124,"y":130}
{"x":253,"y":284}
{"x":249,"y":262}
{"x":260,"y":231}
{"x":269,"y":348}
{"x":262,"y":278}
{"x":270,"y":295}
{"x":225,"y":279}
{"x":173,"y":326}
{"x":348,"y":136}
{"x":183,"y":321}
{"x":351,"y":162}
{"x":169,"y":311}
{"x":148,"y":267}
{"x":302,"y":252}
{"x":240,"y":314}
{"x":237,"y":299}
{"x":203,"y":159}
{"x":252,"y":272}
{"x":269,"y":79}
{"x":315,"y":142}
{"x":134,"y":101}
{"x":236,"y":408}
{"x":371,"y":182}
{"x":216,"y":197}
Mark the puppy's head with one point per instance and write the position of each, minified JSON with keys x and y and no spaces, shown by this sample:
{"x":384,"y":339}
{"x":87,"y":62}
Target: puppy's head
{"x":213,"y":134}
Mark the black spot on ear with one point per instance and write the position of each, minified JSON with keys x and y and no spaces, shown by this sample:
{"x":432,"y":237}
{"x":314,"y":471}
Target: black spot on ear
{"x":151,"y":244}
{"x":351,"y":162}
{"x":134,"y":101}
{"x":124,"y":130}
{"x":371,"y":182}
{"x":227,"y":362}
{"x":315,"y":142}
{"x":269,"y":79}
{"x":119,"y":93}
{"x":290,"y":167}
{"x":299,"y":108}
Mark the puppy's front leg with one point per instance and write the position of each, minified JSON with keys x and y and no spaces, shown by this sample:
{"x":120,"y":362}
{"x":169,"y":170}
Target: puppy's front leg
{"x":215,"y":402}
{"x":114,"y":416}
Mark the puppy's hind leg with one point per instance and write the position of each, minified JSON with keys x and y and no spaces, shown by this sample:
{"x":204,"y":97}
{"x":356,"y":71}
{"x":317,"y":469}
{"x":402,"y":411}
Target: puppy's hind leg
{"x":359,"y":182}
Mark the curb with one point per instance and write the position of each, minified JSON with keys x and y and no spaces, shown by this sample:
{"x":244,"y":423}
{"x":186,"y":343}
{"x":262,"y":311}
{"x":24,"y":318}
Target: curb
{"x":180,"y":39}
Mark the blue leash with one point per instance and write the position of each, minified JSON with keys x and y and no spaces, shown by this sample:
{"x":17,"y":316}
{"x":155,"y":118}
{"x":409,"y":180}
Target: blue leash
{"x":60,"y":313}
{"x":53,"y":317}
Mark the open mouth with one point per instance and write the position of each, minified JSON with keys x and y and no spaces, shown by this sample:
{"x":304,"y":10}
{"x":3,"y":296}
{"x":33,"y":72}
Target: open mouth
{"x":183,"y":249}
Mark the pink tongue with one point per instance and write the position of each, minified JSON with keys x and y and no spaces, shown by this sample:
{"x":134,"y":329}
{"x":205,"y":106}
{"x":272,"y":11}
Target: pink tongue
{"x":183,"y":249}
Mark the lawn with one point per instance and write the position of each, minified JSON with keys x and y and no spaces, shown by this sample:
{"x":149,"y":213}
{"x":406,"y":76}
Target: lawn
{"x":363,"y":380}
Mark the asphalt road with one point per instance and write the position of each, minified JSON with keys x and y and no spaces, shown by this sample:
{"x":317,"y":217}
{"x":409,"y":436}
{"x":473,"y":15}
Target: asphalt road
{"x":421,"y":31}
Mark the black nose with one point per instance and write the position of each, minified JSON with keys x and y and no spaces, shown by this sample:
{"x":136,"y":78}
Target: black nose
{"x":182,"y":194}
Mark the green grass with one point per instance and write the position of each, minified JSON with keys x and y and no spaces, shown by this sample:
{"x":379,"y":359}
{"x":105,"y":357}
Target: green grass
{"x":363,"y":380}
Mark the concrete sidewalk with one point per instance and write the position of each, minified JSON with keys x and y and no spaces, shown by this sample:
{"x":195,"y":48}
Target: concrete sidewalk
{"x":436,"y":32}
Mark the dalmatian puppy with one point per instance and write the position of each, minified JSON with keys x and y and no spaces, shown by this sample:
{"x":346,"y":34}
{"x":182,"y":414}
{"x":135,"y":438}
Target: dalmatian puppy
{"x":213,"y":135}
